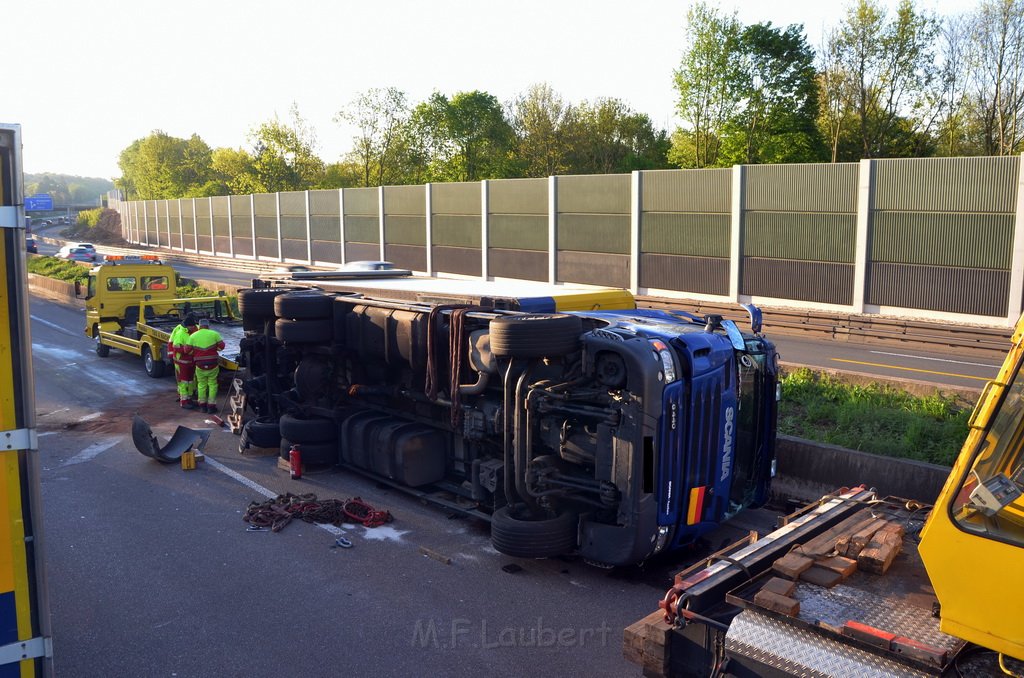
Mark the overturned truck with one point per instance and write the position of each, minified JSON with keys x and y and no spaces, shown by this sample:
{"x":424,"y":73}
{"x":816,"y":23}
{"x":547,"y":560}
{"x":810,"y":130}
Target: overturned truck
{"x":572,"y":421}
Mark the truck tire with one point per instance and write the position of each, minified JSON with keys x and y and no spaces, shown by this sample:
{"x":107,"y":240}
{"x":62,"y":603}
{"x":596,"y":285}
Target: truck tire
{"x":304,"y":331}
{"x":261,"y":432}
{"x":304,"y":305}
{"x":512,"y":535}
{"x":257,"y":304}
{"x":308,"y":429}
{"x":102,"y":350}
{"x":313,"y":454}
{"x":154,"y":364}
{"x":535,"y":335}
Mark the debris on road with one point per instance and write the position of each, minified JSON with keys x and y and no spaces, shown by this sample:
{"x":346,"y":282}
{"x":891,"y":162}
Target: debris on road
{"x":278,"y":512}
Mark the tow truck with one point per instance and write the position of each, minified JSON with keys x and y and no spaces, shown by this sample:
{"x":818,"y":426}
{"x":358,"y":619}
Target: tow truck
{"x":131,"y":304}
{"x":861,"y":584}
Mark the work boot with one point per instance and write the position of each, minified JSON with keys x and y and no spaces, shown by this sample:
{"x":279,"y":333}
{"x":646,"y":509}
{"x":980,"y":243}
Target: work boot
{"x":187,"y":404}
{"x":202,"y":407}
{"x":211,"y":408}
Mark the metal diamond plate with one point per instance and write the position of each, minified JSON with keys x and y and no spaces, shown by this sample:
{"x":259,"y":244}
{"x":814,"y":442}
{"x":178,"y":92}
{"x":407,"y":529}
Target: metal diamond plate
{"x":841,"y":603}
{"x":801,"y":652}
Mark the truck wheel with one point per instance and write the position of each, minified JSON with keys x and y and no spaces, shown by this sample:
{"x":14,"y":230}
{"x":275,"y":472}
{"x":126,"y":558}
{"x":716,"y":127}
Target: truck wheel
{"x":304,"y":305}
{"x":308,"y":429}
{"x":261,"y":432}
{"x":154,"y":365}
{"x":258,"y":303}
{"x":304,"y":331}
{"x":102,"y":350}
{"x":513,"y":535}
{"x":313,"y":454}
{"x":535,"y":335}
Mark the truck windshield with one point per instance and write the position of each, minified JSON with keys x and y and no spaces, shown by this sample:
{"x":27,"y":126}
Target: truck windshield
{"x":755,"y":406}
{"x":990,"y":500}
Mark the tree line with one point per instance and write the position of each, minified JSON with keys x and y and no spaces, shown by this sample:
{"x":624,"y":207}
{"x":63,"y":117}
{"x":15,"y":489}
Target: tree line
{"x":905,"y":84}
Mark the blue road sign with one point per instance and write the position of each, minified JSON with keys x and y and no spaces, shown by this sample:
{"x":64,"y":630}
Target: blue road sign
{"x":39,"y":201}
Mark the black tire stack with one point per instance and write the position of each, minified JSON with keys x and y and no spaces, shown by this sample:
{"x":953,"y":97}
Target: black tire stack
{"x":257,"y":307}
{"x":304,"y":317}
{"x":317,"y":438}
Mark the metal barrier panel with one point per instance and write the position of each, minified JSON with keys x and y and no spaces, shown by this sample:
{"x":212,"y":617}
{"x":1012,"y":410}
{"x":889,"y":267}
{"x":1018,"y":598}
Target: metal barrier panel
{"x":221,"y":232}
{"x":150,"y":222}
{"x":325,"y":225}
{"x":188,"y":232}
{"x":942,"y":234}
{"x":362,"y":223}
{"x":592,"y":229}
{"x":685,"y":230}
{"x":293,"y":226}
{"x":799,"y":231}
{"x":517,"y":228}
{"x":204,"y":229}
{"x":174,"y":215}
{"x":456,"y":227}
{"x":241,"y":225}
{"x":265,"y":217}
{"x":162,"y":237}
{"x":405,"y":226}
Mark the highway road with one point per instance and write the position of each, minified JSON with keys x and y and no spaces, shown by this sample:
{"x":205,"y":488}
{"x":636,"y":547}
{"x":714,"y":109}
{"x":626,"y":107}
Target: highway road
{"x":939,"y":368}
{"x":152,"y":571}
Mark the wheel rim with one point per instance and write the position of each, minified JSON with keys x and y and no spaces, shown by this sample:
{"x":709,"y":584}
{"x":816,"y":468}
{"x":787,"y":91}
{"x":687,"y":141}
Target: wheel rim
{"x":147,"y":358}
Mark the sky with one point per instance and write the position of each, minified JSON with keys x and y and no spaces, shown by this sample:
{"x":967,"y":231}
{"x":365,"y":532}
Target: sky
{"x":95,"y":76}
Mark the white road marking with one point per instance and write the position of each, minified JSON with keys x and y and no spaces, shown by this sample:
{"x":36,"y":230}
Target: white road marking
{"x":941,"y":360}
{"x":90,"y":417}
{"x":253,"y":485}
{"x":59,"y":328}
{"x":92,"y":451}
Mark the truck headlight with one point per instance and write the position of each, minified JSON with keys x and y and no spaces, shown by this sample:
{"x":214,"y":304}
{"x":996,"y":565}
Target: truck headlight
{"x":659,"y":544}
{"x":668,"y":363}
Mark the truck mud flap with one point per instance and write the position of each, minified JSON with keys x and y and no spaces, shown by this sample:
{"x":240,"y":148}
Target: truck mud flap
{"x":182,"y":441}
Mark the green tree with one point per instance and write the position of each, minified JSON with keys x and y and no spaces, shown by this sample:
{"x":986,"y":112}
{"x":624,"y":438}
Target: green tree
{"x":997,"y":28}
{"x":608,"y":137}
{"x":465,"y":138}
{"x":283,"y":157}
{"x":381,"y":117}
{"x":890,"y":64}
{"x":706,"y":82}
{"x":542,"y":121}
{"x":161,"y":166}
{"x":776,"y":119}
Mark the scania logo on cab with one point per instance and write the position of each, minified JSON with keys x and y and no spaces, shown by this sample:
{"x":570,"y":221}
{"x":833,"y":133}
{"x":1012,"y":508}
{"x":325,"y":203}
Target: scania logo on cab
{"x":727,"y":446}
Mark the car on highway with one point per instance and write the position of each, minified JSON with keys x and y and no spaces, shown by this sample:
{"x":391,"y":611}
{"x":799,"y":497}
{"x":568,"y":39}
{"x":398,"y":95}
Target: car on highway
{"x":82,"y":251}
{"x":30,"y":245}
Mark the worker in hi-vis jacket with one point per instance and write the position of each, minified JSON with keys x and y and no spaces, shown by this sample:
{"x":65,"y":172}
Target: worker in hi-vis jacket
{"x":184,"y":368}
{"x":203,"y":346}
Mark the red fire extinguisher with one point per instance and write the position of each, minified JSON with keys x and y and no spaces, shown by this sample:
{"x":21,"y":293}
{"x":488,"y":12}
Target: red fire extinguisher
{"x":295,"y":460}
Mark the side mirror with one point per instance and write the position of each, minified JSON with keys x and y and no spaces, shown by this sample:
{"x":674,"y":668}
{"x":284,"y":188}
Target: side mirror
{"x":78,"y":288}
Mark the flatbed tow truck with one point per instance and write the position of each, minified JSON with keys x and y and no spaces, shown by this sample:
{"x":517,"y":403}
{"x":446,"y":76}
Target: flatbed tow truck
{"x":131,"y":305}
{"x":860,"y":584}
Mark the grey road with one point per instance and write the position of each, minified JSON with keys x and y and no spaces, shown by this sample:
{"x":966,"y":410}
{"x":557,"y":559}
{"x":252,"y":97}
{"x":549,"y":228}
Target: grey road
{"x":152,"y":572}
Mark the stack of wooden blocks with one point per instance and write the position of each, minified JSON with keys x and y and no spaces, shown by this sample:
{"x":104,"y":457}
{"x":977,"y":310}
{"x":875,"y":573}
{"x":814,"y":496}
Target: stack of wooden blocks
{"x":862,"y":541}
{"x":645,"y":643}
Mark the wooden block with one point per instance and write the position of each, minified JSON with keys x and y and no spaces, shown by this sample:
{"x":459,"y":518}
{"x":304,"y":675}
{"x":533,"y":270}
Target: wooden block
{"x":844,"y":566}
{"x":863,"y":536}
{"x":825,"y":543}
{"x":783,"y":587}
{"x":821,"y":576}
{"x":791,"y":565}
{"x":877,"y":558}
{"x":776,"y":603}
{"x":868,"y":634}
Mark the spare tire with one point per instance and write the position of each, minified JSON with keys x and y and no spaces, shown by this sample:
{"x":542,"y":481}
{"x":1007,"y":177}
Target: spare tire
{"x":258,"y":303}
{"x":301,"y":429}
{"x":261,"y":432}
{"x":304,"y":305}
{"x":313,"y":454}
{"x":513,"y":534}
{"x":535,"y":335}
{"x":304,"y":331}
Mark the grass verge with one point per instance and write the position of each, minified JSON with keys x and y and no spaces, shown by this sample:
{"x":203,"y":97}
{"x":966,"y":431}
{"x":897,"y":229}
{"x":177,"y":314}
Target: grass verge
{"x":877,"y":418}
